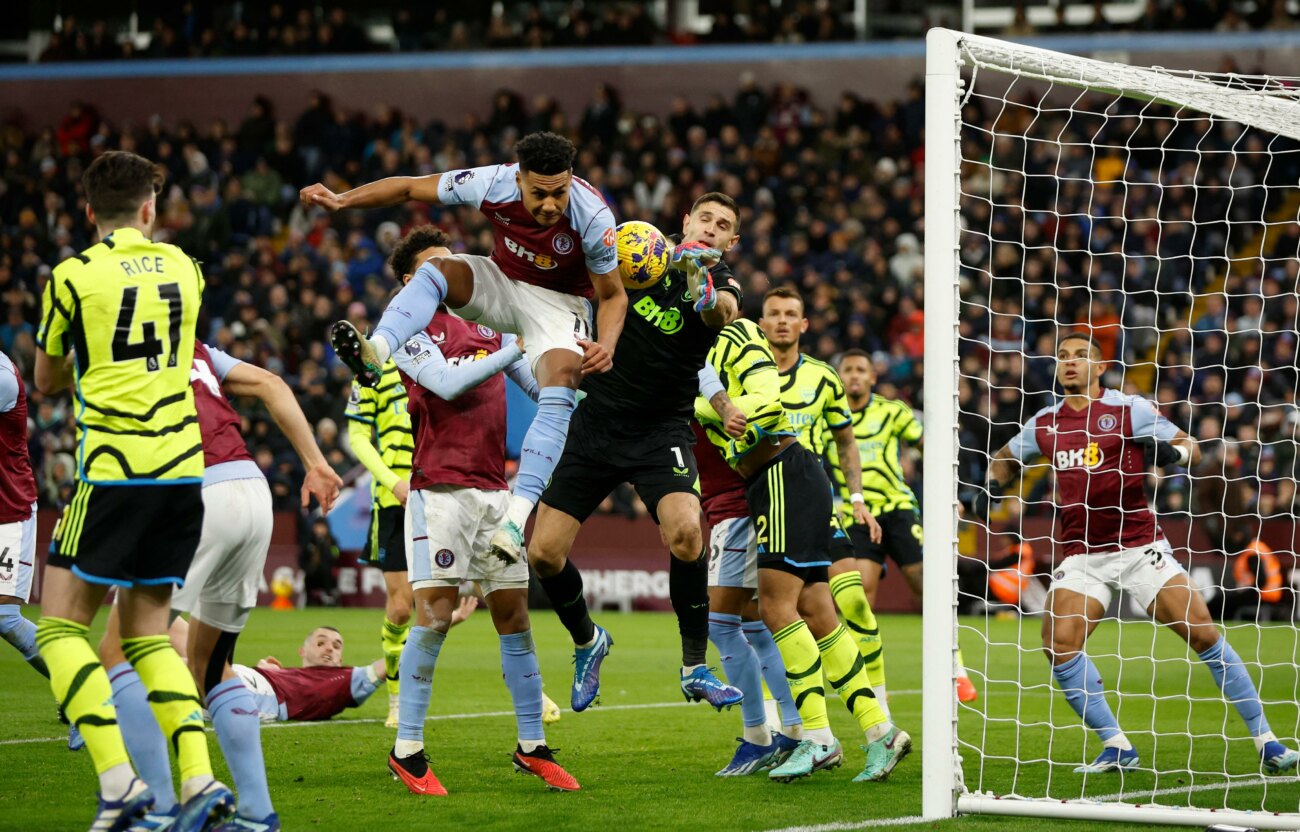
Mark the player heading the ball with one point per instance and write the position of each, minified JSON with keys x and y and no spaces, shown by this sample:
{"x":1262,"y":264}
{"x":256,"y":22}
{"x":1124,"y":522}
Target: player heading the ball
{"x":554,"y":250}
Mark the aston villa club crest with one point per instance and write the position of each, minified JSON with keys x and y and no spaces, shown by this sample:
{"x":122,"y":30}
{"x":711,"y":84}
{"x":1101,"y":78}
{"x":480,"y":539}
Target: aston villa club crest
{"x":444,"y":558}
{"x":1107,"y":421}
{"x":562,"y":243}
{"x":486,"y":331}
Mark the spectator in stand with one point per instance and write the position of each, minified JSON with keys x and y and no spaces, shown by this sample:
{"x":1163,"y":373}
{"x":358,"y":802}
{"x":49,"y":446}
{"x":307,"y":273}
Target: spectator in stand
{"x":268,"y":29}
{"x":318,"y":559}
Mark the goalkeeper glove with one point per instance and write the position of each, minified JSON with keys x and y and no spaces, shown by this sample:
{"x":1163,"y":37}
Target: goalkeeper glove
{"x":685,"y":254}
{"x":1162,"y":452}
{"x":984,"y":498}
{"x":700,"y":284}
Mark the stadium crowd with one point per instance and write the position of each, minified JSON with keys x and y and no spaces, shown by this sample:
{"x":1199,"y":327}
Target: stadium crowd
{"x":832,"y":201}
{"x":221,"y":29}
{"x":1124,"y":233}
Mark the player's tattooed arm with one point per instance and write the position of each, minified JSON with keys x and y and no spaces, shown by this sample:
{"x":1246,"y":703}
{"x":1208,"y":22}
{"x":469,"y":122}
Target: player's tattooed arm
{"x":851,"y":464}
{"x":394,"y":190}
{"x":724,"y":312}
{"x":733,"y":418}
{"x":724,"y":410}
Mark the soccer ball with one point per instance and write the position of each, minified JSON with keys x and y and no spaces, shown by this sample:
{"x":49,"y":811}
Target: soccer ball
{"x":642,"y":254}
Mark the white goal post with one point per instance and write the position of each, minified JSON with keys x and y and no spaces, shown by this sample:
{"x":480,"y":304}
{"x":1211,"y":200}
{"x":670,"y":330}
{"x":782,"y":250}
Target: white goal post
{"x":967,"y":768}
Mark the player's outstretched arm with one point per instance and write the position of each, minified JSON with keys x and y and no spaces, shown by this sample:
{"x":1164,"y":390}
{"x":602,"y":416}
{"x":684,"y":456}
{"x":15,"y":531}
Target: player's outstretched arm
{"x":320,"y":482}
{"x":717,"y":305}
{"x":464,"y":609}
{"x":394,"y":190}
{"x":421,"y":359}
{"x":598,"y":355}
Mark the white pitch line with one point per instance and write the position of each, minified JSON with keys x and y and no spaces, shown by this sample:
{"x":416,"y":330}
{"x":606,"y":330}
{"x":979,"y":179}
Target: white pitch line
{"x":848,"y":826}
{"x":1202,"y":787}
{"x":436,"y":717}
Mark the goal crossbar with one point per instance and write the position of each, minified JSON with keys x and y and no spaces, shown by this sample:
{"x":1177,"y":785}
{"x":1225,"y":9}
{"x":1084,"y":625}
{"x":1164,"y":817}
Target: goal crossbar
{"x":1275,"y":108}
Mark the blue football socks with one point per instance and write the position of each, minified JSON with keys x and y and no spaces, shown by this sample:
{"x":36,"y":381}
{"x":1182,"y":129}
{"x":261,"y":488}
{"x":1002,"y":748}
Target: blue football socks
{"x":740,"y":663}
{"x":144,"y":739}
{"x":523,"y":678}
{"x":419,"y":658}
{"x":1081,"y":684}
{"x":239,"y":731}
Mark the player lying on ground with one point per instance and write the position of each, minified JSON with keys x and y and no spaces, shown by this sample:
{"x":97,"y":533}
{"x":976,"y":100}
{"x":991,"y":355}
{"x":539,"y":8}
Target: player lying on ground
{"x":1101,"y":443}
{"x":457,"y":399}
{"x":554,"y":250}
{"x":789,"y":497}
{"x":127,"y":308}
{"x":813,"y":395}
{"x":323,"y":687}
{"x":18,"y":525}
{"x":221,"y":585}
{"x":634,"y":426}
{"x":880,"y":426}
{"x":377,"y":416}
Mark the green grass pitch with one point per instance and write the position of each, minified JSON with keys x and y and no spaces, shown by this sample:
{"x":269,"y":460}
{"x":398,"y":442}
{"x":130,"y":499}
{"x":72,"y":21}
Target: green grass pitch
{"x":646,"y":760}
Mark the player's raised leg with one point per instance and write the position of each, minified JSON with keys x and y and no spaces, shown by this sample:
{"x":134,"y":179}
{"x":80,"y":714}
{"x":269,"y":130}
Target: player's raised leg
{"x":437,"y":281}
{"x":553,"y":537}
{"x":559,"y":372}
{"x":1179,"y":606}
{"x":1071,"y":618}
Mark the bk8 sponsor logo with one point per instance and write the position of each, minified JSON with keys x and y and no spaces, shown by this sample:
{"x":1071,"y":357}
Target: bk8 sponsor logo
{"x":1089,"y":457}
{"x":541,"y":261}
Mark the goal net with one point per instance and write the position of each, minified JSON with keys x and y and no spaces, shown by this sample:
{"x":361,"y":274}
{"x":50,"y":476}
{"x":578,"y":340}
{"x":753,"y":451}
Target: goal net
{"x":1156,"y":210}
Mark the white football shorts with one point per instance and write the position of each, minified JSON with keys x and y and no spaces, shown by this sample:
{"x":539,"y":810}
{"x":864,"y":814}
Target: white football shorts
{"x":448,"y":529}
